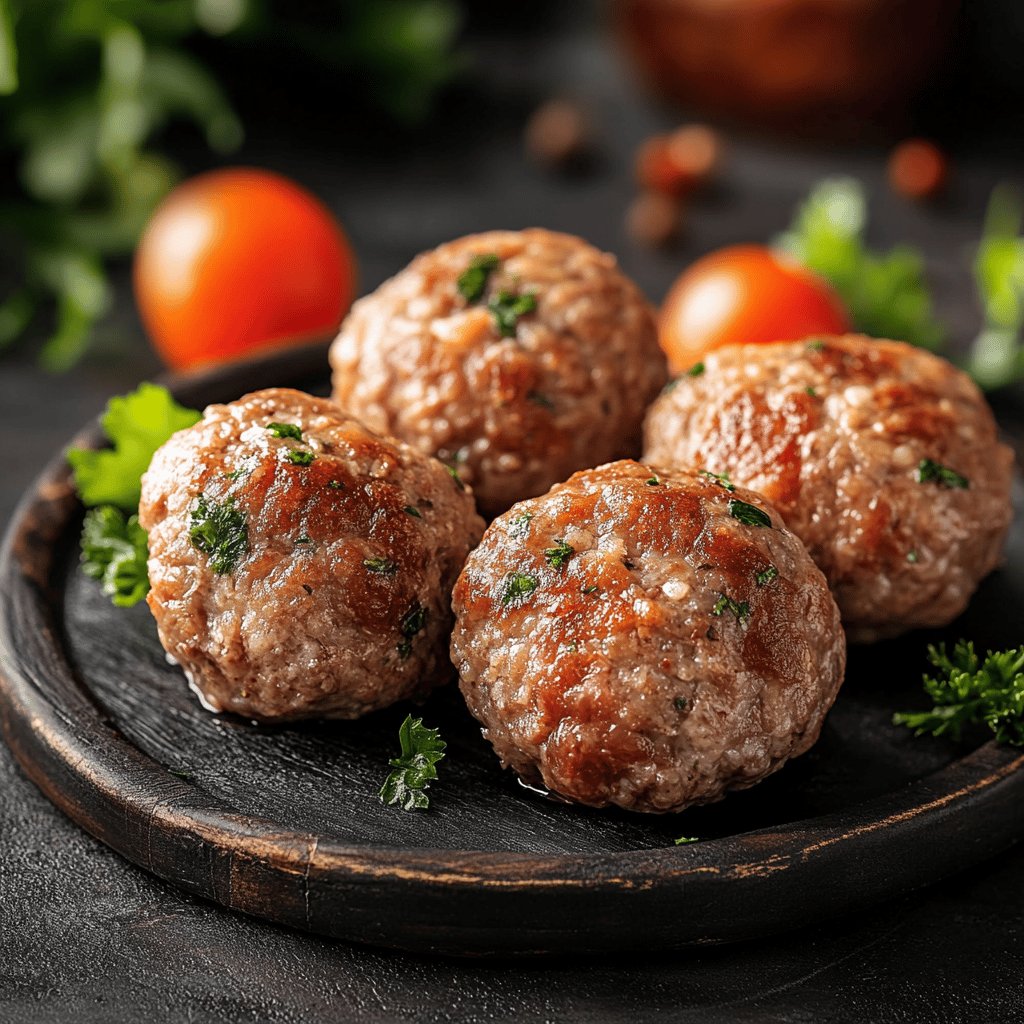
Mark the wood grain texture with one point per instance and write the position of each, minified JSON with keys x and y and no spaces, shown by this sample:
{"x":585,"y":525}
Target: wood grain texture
{"x":284,"y":824}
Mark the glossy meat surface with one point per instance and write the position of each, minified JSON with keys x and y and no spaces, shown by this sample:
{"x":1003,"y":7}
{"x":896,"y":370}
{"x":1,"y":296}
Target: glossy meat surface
{"x":835,"y":433}
{"x":626,"y":639}
{"x":337,"y":601}
{"x":418,"y":360}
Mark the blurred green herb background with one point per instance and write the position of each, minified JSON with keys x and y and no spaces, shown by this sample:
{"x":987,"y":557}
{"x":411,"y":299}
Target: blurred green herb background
{"x":86,"y":87}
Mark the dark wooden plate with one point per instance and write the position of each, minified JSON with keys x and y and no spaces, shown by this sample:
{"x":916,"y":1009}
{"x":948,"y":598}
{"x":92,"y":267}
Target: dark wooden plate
{"x":284,"y":824}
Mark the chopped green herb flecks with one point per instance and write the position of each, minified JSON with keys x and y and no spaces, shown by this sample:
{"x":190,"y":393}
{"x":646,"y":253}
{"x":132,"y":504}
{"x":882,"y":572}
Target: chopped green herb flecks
{"x":741,"y":609}
{"x":114,"y":551}
{"x":765,"y":576}
{"x":518,"y":587}
{"x":380,"y":565}
{"x":285,"y":430}
{"x":304,"y":539}
{"x":520,"y":524}
{"x":237,"y":474}
{"x":653,"y":480}
{"x":413,"y":621}
{"x":591,"y":589}
{"x":912,"y":557}
{"x":335,"y":485}
{"x":722,"y":479}
{"x":507,"y":307}
{"x":680,"y":703}
{"x":415,"y":768}
{"x":413,"y":511}
{"x":219,"y":531}
{"x":685,"y":840}
{"x":970,"y":690}
{"x":696,"y":370}
{"x":300,"y":458}
{"x":473,"y":280}
{"x":560,"y":554}
{"x":749,"y":515}
{"x":929,"y":472}
{"x":454,"y":474}
{"x":815,"y":346}
{"x":810,"y":391}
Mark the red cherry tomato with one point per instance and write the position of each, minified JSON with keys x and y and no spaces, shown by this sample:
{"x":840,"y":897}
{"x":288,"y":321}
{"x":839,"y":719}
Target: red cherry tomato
{"x":236,"y":260}
{"x":745,"y":293}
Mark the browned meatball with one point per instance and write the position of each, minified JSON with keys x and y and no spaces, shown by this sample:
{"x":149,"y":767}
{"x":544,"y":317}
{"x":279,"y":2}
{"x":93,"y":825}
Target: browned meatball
{"x":301,"y":565}
{"x":645,"y":638}
{"x":882,"y":458}
{"x":516,"y":356}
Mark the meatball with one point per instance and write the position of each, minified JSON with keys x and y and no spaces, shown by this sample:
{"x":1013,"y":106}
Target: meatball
{"x":301,"y":566}
{"x":517,"y":357}
{"x":645,"y":638}
{"x":882,"y":458}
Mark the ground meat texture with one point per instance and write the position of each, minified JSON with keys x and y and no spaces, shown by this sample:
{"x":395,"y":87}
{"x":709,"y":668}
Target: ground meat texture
{"x":645,"y":638}
{"x":836,"y":433}
{"x":302,"y":576}
{"x":566,"y":386}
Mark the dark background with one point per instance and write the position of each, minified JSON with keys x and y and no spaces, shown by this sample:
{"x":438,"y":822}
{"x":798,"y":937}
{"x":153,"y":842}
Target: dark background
{"x":85,"y":936}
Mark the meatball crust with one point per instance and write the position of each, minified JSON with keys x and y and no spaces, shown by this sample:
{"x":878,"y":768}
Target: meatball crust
{"x":422,"y":361}
{"x":626,"y":639}
{"x":302,"y":576}
{"x":836,"y":432}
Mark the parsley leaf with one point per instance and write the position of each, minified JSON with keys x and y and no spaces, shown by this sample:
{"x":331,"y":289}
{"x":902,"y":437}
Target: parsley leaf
{"x":684,"y":840}
{"x":765,"y":576}
{"x":520,"y":524}
{"x":559,"y":554}
{"x":413,"y":511}
{"x":298,"y":457}
{"x":653,"y":480}
{"x":741,"y":609}
{"x":722,"y":479}
{"x":380,"y":565}
{"x":507,"y":308}
{"x":886,"y":293}
{"x":747,"y":514}
{"x":411,"y":623}
{"x":415,"y":768}
{"x":970,"y":690}
{"x":285,"y":430}
{"x":518,"y":587}
{"x":114,"y":551}
{"x":473,"y":280}
{"x":929,"y":472}
{"x":454,"y":474}
{"x":696,"y":370}
{"x":219,"y":531}
{"x":136,"y":424}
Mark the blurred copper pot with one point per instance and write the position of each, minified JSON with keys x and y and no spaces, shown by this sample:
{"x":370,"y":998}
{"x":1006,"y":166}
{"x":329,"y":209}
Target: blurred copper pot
{"x":809,"y":67}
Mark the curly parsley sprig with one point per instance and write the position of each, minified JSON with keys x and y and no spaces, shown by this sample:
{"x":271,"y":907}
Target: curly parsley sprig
{"x":970,"y":690}
{"x":415,"y":768}
{"x":109,"y":480}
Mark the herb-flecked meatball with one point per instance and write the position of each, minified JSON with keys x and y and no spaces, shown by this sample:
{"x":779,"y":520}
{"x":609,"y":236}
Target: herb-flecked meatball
{"x":884,"y":459}
{"x":645,"y":638}
{"x":302,"y":566}
{"x":517,"y":357}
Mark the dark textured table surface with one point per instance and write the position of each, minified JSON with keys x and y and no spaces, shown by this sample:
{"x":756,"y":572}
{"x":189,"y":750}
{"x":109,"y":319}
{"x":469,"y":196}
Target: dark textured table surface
{"x":85,"y":936}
